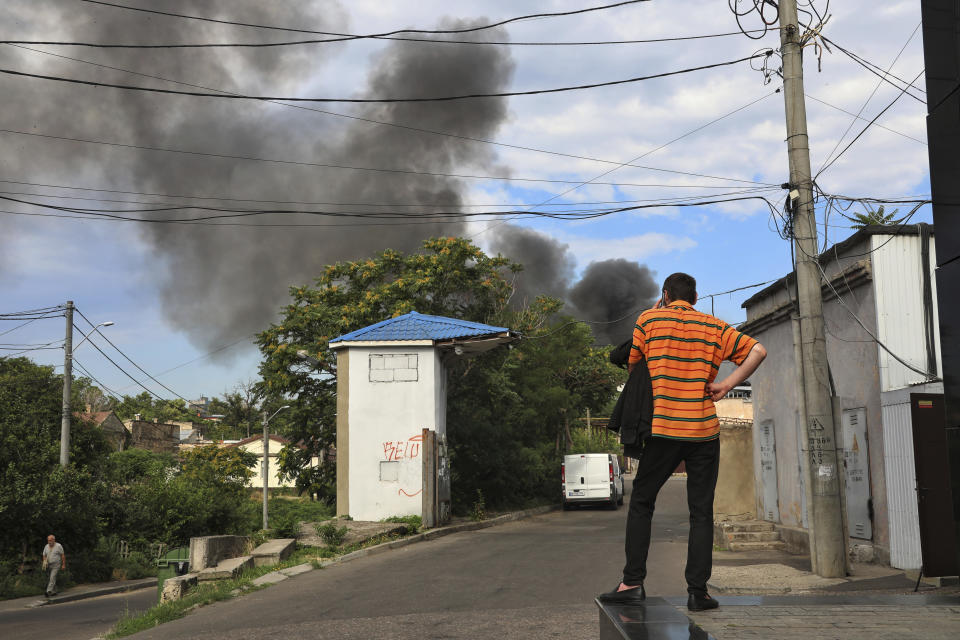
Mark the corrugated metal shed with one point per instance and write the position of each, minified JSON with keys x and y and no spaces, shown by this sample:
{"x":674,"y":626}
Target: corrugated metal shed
{"x":417,"y":326}
{"x":898,"y":283}
{"x":900,"y":472}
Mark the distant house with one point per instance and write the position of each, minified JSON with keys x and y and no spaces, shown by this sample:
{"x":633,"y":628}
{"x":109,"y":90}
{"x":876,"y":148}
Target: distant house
{"x":159,"y":437}
{"x":112,"y":427}
{"x":254,"y":445}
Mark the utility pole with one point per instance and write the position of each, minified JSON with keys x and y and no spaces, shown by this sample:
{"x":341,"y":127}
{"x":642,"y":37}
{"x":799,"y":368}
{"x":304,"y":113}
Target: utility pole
{"x":266,"y":466}
{"x":266,"y":459}
{"x":828,"y":544}
{"x":67,"y":383}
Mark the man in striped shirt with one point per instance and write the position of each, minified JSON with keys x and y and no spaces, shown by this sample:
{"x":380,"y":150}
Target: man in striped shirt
{"x":683,"y":349}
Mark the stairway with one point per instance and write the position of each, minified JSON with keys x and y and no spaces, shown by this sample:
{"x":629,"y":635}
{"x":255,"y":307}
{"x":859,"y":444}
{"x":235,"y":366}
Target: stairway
{"x":747,"y":535}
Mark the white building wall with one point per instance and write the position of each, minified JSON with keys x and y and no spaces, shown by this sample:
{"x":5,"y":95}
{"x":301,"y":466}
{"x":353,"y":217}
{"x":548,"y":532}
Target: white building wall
{"x":898,"y":283}
{"x":393,"y":397}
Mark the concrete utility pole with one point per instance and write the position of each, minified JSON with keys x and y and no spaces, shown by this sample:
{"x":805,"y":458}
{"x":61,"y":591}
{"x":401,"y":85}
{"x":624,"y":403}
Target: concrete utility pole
{"x":828,"y":544}
{"x":67,"y":383}
{"x":266,"y":459}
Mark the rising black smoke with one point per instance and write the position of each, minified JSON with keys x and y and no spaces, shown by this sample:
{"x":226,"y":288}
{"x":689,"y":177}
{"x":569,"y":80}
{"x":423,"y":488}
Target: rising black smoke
{"x":220,"y":283}
{"x":609,"y":295}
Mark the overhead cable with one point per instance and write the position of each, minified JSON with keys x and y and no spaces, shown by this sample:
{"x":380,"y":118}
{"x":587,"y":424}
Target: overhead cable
{"x":110,"y":342}
{"x":468,"y":96}
{"x":858,"y":117}
{"x":372,"y":35}
{"x":869,"y":98}
{"x":337,"y":114}
{"x":380,"y":215}
{"x":355,"y":168}
{"x":863,"y":131}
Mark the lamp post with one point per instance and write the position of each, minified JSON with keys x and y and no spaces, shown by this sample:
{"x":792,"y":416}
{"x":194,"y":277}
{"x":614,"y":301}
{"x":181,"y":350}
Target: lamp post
{"x":266,"y":459}
{"x":68,"y":351}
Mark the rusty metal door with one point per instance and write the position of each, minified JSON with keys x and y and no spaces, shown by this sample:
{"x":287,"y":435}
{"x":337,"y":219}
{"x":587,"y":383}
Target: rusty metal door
{"x":934,"y":497}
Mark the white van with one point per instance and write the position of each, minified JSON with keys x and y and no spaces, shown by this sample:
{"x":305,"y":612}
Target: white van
{"x":591,"y":478}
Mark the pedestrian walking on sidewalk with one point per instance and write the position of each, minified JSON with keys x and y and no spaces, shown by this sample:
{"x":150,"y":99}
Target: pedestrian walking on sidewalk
{"x":54,"y":559}
{"x":683,"y":349}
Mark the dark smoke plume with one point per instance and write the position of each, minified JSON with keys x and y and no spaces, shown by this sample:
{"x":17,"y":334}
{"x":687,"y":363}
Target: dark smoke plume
{"x":547,"y":264}
{"x":613,"y":290}
{"x":220,"y":283}
{"x":610,"y":290}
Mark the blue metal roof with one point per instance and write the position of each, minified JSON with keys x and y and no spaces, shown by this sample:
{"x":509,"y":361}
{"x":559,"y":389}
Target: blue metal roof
{"x":417,"y":326}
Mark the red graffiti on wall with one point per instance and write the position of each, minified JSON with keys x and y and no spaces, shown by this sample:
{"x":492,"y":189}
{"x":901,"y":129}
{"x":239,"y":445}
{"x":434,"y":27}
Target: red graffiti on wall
{"x":397,"y":450}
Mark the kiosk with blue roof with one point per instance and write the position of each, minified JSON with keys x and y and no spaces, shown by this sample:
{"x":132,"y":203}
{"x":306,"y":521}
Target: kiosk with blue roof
{"x":391,"y":413}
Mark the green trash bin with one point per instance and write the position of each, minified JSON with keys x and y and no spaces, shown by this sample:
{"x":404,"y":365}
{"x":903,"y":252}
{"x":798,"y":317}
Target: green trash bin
{"x":175,"y":562}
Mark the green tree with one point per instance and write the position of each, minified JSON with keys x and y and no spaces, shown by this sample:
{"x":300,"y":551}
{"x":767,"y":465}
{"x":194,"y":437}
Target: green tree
{"x":37,"y":496}
{"x":507,"y":408}
{"x":872,"y":217}
{"x":150,"y":408}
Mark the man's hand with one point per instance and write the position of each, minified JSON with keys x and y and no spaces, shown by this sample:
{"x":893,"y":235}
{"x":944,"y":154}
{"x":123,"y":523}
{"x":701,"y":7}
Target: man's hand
{"x":717,"y":390}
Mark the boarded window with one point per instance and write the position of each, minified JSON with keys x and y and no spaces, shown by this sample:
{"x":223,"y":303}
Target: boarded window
{"x":393,"y":367}
{"x":389,"y":471}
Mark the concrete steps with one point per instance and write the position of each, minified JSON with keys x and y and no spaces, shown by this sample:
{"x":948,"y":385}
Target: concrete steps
{"x":273,"y":552}
{"x":226,"y":569}
{"x":747,"y":535}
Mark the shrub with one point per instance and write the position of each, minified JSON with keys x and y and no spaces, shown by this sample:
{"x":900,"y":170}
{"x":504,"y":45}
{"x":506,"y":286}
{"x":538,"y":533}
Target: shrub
{"x":414,"y":523}
{"x":479,"y":510}
{"x":331,"y":533}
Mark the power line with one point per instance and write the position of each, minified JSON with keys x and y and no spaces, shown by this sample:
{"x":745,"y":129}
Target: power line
{"x":354,"y":168}
{"x":87,"y":373}
{"x":331,"y":204}
{"x":870,"y":97}
{"x":122,"y":370}
{"x":506,"y":94}
{"x":354,"y":117}
{"x":206,"y":355}
{"x":883,"y":74}
{"x":507,"y":43}
{"x":566,"y":215}
{"x":869,"y":124}
{"x":31,"y":312}
{"x":100,"y":333}
{"x":372,"y":35}
{"x":858,"y":117}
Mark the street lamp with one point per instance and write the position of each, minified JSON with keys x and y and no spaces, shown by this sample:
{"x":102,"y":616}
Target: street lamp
{"x":68,"y":351}
{"x":266,"y":459}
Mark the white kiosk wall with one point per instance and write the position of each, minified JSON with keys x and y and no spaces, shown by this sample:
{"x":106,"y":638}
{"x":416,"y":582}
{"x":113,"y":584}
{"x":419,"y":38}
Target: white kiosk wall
{"x":396,"y":391}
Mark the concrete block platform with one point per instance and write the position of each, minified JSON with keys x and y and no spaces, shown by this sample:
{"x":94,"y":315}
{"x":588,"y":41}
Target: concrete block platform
{"x":226,"y":569}
{"x":176,"y":587}
{"x":273,"y":552}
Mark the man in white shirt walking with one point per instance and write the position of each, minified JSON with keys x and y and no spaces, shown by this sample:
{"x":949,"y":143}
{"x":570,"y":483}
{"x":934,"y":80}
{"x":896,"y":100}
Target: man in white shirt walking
{"x":54,"y":559}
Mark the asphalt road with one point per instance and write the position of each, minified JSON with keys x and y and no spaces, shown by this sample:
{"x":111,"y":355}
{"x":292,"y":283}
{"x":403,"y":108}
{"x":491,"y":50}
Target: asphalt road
{"x":79,"y":620}
{"x":534,"y":578}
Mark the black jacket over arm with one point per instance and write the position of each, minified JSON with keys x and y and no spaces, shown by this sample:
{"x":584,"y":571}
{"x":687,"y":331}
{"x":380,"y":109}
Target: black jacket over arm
{"x":633,"y":414}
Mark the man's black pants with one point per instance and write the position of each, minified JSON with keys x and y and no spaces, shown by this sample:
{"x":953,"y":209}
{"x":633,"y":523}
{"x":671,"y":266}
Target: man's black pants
{"x":660,"y":457}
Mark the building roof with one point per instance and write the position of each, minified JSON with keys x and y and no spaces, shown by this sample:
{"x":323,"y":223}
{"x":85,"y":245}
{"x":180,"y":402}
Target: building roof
{"x":274,"y":437}
{"x":417,"y":326}
{"x":839,"y":249}
{"x":97,"y":417}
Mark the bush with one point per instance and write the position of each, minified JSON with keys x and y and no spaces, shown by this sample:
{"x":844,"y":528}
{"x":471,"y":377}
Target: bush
{"x":331,"y":533}
{"x":136,"y":565}
{"x":286,"y":514}
{"x":414,"y":523}
{"x":479,"y":510}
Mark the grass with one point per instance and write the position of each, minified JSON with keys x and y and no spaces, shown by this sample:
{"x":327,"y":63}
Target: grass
{"x":216,"y":591}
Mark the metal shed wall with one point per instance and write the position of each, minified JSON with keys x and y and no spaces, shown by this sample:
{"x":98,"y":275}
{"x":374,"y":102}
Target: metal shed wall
{"x":898,"y":283}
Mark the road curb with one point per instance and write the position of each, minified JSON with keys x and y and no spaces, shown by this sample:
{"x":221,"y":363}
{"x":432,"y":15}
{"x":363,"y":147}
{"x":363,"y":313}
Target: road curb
{"x":440,"y":532}
{"x":132,"y":585}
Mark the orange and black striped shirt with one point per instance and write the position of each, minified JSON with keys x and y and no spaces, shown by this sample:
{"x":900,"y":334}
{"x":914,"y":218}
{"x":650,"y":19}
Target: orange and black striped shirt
{"x":684,"y":349}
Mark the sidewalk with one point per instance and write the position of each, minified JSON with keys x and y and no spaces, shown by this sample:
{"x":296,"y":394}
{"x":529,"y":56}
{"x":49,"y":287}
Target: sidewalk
{"x":79,"y":592}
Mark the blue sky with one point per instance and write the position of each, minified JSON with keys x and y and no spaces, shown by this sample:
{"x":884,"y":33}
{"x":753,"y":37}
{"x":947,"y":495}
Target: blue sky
{"x":115,"y":272}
